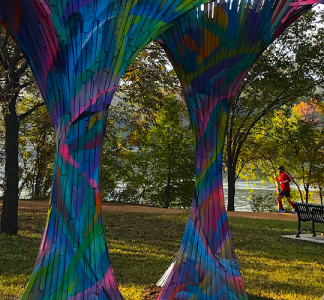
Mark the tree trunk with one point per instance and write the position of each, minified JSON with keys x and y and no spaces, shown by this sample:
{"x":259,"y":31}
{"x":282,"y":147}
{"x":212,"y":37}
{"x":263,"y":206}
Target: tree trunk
{"x":231,"y":187}
{"x":167,"y":192}
{"x":320,"y":191}
{"x":306,"y":193}
{"x":168,"y":187}
{"x":9,"y":219}
{"x":37,"y":186}
{"x":278,"y":190}
{"x":299,"y":190}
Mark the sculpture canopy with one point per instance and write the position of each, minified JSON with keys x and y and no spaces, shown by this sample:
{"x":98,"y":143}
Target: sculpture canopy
{"x":212,"y":50}
{"x":78,"y":51}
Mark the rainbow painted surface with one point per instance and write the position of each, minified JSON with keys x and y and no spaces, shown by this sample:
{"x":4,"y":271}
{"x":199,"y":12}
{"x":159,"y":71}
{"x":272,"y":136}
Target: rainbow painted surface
{"x":78,"y":50}
{"x":212,"y":50}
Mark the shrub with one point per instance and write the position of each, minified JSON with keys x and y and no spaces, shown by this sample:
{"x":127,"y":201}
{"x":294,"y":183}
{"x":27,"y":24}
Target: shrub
{"x":259,"y":203}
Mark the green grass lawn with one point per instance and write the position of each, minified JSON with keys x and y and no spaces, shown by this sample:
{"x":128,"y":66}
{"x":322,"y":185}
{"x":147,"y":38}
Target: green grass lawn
{"x":143,"y":245}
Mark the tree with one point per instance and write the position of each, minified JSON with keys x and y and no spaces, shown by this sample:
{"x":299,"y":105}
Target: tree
{"x":15,"y":77}
{"x":291,"y":68}
{"x":144,"y":88}
{"x":292,"y":137}
{"x":300,"y":139}
{"x":173,"y":156}
{"x":37,"y":153}
{"x":159,"y":168}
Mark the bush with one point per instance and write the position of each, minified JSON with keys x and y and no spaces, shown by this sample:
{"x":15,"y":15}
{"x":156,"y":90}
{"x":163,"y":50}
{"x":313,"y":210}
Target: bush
{"x":260,"y":203}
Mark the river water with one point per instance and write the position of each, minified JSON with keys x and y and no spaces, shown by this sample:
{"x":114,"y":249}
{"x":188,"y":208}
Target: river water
{"x":244,"y":190}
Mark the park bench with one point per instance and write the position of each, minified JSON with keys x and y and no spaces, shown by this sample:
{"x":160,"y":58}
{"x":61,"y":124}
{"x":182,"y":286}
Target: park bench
{"x":309,"y":212}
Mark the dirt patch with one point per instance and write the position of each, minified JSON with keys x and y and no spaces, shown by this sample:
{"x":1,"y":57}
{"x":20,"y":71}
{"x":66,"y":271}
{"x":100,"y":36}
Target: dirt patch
{"x":151,"y":292}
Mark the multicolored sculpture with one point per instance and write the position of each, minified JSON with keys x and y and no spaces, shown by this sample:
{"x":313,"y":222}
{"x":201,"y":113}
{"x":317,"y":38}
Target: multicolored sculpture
{"x":78,"y":50}
{"x":212,"y":50}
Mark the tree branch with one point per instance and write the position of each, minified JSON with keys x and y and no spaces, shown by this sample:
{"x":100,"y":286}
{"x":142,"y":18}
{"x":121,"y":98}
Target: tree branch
{"x":29,"y":112}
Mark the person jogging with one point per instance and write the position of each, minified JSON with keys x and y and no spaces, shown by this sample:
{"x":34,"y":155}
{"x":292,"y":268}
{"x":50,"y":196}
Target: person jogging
{"x":285,"y":190}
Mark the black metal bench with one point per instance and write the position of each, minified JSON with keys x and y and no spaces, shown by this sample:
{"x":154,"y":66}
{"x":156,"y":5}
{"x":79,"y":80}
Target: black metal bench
{"x":309,"y":212}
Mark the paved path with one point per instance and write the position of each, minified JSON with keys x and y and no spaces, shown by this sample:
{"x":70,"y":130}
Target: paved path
{"x":113,"y":207}
{"x":264,"y":215}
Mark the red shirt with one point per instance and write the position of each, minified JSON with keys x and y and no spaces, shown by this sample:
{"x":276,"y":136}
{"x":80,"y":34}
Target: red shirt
{"x":284,"y":186}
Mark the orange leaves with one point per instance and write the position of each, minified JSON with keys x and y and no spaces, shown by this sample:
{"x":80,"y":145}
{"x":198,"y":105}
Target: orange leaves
{"x":308,"y":111}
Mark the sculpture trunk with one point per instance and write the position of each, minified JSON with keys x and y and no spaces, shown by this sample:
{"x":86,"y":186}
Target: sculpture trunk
{"x":206,"y":263}
{"x":78,"y":51}
{"x":73,"y":261}
{"x":212,"y":50}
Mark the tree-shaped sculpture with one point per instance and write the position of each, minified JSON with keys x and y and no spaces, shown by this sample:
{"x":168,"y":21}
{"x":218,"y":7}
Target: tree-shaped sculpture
{"x":212,"y":49}
{"x":78,"y":50}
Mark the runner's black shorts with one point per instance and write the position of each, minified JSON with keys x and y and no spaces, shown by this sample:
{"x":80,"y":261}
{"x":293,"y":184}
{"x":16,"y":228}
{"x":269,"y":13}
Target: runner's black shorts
{"x":284,"y":193}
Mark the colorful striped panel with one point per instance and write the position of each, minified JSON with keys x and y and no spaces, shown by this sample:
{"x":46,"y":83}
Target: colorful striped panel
{"x":212,"y":49}
{"x":78,"y":50}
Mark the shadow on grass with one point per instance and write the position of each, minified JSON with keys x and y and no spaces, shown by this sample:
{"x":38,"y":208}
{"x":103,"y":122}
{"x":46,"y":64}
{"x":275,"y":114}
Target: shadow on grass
{"x":163,"y":232}
{"x":9,"y":297}
{"x":270,"y":262}
{"x":265,"y":236}
{"x":17,"y":260}
{"x":252,"y":297}
{"x":142,"y":246}
{"x":18,"y":254}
